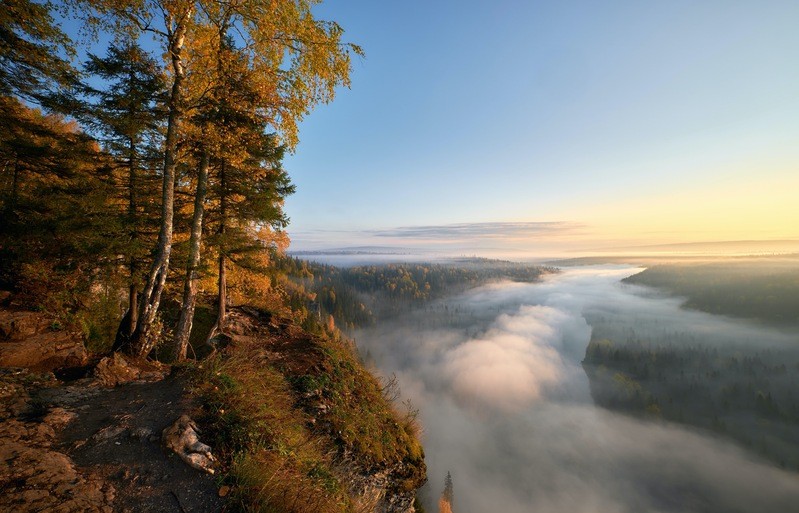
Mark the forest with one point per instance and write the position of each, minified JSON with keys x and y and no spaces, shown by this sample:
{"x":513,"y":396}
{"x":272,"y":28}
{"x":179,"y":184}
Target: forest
{"x":359,"y":296}
{"x":764,"y":289}
{"x":737,"y":380}
{"x":746,"y":395}
{"x":150,"y":171}
{"x":141,"y":194}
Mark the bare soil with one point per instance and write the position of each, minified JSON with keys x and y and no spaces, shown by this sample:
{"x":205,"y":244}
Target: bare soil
{"x":81,"y":447}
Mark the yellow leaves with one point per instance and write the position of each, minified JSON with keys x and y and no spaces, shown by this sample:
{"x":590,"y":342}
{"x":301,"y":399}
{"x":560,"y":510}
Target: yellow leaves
{"x":297,"y":60}
{"x":278,"y":239}
{"x":286,"y":91}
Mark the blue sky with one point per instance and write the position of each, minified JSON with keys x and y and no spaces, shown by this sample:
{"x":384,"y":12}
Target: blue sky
{"x":621,"y":123}
{"x":636,"y":121}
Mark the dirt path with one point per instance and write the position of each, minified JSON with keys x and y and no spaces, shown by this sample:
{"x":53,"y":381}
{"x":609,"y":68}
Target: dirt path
{"x":118,"y":436}
{"x":86,"y":448}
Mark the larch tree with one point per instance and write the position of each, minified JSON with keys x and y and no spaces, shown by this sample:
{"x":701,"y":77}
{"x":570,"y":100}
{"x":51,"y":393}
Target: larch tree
{"x":248,"y":183}
{"x":249,"y":193}
{"x":210,"y":86}
{"x":273,"y":62}
{"x":32,"y":50}
{"x":59,"y":230}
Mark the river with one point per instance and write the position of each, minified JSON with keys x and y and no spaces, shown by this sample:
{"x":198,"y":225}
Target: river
{"x":506,"y":408}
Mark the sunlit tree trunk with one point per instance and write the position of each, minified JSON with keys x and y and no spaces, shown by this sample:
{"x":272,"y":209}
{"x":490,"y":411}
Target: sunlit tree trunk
{"x":133,"y":304}
{"x":183,"y":330}
{"x":142,"y":340}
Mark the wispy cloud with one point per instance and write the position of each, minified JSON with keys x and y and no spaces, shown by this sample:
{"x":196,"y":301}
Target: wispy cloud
{"x":472,"y":231}
{"x":486,"y":239}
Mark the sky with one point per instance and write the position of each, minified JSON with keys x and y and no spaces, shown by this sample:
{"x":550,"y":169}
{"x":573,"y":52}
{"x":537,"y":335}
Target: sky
{"x":479,"y":127}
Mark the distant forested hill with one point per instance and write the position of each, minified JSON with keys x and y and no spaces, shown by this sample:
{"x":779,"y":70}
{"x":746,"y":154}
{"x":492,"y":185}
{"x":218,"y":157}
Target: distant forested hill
{"x":766,"y":290}
{"x":746,"y":394}
{"x":358,"y":296}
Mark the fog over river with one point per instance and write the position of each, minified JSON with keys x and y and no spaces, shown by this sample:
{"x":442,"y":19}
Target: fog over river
{"x":505,"y":403}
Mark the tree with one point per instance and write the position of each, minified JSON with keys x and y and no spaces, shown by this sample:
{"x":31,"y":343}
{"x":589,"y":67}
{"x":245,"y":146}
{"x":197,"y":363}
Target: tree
{"x":447,"y":497}
{"x":30,"y":50}
{"x":249,"y":185}
{"x":169,"y":21}
{"x":126,"y":115}
{"x":59,"y":230}
{"x":448,"y":491}
{"x":250,"y":196}
{"x":211,"y":44}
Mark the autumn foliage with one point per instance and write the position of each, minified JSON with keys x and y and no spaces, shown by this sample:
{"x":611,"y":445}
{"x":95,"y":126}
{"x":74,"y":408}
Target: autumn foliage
{"x":154,"y":169}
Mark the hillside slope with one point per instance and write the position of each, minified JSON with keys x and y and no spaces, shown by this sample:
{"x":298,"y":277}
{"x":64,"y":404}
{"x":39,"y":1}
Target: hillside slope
{"x":304,"y":425}
{"x":297,"y":424}
{"x":760,"y":289}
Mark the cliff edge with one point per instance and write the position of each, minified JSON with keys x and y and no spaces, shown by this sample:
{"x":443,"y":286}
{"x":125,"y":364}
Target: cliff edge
{"x":304,"y":425}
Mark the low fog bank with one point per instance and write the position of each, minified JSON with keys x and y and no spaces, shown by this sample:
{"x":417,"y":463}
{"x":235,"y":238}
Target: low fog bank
{"x":506,"y":407}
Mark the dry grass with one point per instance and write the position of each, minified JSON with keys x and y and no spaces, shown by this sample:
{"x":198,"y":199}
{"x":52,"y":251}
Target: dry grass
{"x":276,"y":463}
{"x":365,"y":422}
{"x":287,"y":423}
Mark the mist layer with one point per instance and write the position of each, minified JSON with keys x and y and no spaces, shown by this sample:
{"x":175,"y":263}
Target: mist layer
{"x":506,"y":406}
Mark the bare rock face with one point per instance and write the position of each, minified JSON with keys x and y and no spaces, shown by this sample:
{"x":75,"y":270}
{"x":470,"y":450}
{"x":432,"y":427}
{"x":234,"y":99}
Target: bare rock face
{"x":36,"y":477}
{"x":46,"y":480}
{"x":117,"y":369}
{"x":377,"y":492}
{"x":182,"y":438}
{"x":31,"y":340}
{"x":18,"y":325}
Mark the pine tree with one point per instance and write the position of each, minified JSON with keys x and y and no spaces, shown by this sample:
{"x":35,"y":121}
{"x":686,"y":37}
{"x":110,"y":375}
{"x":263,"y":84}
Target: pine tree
{"x":32,"y":50}
{"x":59,"y":230}
{"x":448,"y":493}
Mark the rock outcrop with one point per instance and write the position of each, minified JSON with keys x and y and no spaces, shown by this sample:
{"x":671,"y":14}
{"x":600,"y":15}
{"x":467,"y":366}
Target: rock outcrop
{"x":33,"y":475}
{"x":341,"y":404}
{"x":33,"y":340}
{"x":118,"y":369}
{"x":79,"y":447}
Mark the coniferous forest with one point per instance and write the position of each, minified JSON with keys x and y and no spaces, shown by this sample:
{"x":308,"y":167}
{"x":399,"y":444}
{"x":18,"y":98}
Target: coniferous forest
{"x":142,"y":190}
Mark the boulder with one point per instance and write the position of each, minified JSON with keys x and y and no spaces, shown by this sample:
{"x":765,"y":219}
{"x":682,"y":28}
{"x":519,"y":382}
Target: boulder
{"x":20,"y":324}
{"x":31,"y":340}
{"x":117,"y":369}
{"x":182,"y":438}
